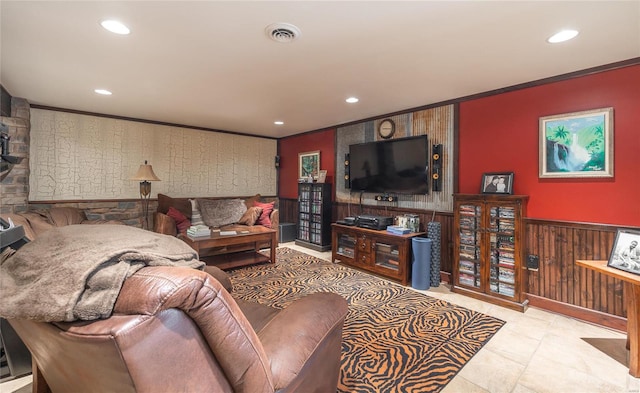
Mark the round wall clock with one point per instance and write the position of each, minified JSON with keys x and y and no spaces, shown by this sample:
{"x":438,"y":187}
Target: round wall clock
{"x":386,"y":128}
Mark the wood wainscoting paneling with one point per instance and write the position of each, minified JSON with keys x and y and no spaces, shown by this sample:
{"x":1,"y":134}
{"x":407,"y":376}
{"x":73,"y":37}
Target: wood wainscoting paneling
{"x":289,"y":213}
{"x":561,"y":286}
{"x":342,"y":210}
{"x":288,"y":209}
{"x":558,"y":285}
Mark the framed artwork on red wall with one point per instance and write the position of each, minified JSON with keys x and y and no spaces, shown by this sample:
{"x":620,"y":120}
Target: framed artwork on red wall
{"x":578,"y":144}
{"x":308,"y":164}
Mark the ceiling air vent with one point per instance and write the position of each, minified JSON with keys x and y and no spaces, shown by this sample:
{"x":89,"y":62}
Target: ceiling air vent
{"x":283,"y":32}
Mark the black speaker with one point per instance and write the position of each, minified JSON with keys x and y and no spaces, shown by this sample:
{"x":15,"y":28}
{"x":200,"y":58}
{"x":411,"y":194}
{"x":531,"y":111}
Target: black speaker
{"x":277,"y":162}
{"x":347,"y":172}
{"x":436,"y":168}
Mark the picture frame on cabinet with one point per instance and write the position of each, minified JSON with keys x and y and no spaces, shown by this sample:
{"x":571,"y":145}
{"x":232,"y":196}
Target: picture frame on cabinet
{"x":497,"y":183}
{"x":322,"y":176}
{"x":625,"y":254}
{"x":308,"y":164}
{"x":575,"y":145}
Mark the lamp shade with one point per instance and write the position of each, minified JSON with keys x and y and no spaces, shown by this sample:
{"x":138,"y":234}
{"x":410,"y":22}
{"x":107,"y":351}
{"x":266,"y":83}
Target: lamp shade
{"x":145,"y":173}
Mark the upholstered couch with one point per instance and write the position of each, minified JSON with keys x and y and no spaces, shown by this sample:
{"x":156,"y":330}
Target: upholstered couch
{"x":176,"y":329}
{"x":38,"y":221}
{"x":172,"y":212}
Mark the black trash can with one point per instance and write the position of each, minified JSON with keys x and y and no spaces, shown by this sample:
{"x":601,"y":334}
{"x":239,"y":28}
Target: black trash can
{"x":421,"y":263}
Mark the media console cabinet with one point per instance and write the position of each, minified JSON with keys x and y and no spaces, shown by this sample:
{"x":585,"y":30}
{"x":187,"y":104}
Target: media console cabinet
{"x":375,"y":251}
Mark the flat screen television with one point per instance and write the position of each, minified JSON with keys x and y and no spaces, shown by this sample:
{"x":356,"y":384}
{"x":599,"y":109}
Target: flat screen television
{"x":394,"y":166}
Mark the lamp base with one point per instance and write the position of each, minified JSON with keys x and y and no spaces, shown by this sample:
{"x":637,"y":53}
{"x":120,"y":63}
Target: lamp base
{"x":145,"y":194}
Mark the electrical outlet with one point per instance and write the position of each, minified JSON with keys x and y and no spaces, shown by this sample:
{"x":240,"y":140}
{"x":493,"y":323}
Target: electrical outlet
{"x":533,"y":262}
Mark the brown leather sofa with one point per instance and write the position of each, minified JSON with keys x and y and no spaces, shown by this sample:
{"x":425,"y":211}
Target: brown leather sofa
{"x":39,"y":221}
{"x":167,"y":225}
{"x":177,"y":329}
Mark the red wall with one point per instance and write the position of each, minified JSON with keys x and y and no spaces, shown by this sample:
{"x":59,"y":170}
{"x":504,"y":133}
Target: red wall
{"x":500,"y":133}
{"x":288,"y":149}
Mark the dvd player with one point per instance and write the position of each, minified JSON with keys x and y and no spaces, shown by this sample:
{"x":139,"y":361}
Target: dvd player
{"x":373,"y":222}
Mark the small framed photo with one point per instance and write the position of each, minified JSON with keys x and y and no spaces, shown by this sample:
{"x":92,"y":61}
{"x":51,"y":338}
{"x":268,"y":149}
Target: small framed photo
{"x":626,"y":251}
{"x":322,"y":176}
{"x":497,"y":183}
{"x":308,"y":164}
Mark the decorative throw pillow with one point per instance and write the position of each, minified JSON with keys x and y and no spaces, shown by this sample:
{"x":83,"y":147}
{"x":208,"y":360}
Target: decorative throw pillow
{"x":219,"y":212}
{"x":196,"y":217}
{"x":251,"y":200}
{"x":181,"y":204}
{"x":250,"y":216}
{"x":182,"y":222}
{"x":265,"y":216}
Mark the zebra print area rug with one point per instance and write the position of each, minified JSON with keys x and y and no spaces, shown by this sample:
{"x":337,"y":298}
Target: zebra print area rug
{"x":394,"y":339}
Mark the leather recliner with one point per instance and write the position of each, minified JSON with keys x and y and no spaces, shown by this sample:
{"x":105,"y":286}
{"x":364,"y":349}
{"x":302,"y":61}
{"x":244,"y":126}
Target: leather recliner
{"x":178,"y":329}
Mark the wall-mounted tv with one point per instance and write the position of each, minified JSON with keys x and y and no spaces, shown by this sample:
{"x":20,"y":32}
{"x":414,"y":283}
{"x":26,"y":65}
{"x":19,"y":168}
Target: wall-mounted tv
{"x":394,"y":166}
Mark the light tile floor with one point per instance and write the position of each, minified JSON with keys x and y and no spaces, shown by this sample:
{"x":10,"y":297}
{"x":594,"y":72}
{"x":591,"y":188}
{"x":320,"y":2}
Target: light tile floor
{"x":534,"y":352}
{"x":537,"y":352}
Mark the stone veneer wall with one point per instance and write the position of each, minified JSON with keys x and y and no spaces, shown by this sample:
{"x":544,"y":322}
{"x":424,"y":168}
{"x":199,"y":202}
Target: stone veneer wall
{"x":14,"y":189}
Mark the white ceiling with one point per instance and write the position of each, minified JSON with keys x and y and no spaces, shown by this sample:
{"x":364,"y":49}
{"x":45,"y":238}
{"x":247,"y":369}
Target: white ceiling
{"x":210,"y":64}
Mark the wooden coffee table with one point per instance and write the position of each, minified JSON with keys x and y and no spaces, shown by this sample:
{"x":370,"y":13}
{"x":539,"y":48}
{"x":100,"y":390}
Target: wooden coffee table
{"x":229,"y":251}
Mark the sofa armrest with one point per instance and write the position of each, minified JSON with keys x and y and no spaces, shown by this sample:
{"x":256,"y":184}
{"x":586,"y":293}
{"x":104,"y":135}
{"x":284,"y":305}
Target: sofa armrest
{"x":221,"y":276}
{"x":314,"y":323}
{"x":275,"y":223}
{"x":234,"y":343}
{"x":164,"y":224}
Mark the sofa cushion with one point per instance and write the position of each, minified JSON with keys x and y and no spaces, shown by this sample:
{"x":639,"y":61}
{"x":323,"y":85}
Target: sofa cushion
{"x":265,"y":218}
{"x":181,"y":204}
{"x":62,"y":216}
{"x":249,"y":202}
{"x":219,"y":212}
{"x":38,"y":221}
{"x":250,"y":216}
{"x":182,"y":222}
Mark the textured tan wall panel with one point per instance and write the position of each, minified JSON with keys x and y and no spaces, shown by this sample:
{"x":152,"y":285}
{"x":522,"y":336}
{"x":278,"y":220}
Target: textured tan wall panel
{"x":75,"y":157}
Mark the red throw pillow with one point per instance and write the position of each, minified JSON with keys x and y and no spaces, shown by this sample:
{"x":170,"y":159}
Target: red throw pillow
{"x":265,"y":216}
{"x":182,"y":222}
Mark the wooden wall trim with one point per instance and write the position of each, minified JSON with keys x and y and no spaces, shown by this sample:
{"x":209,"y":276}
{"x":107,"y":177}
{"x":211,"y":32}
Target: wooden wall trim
{"x":155,"y":122}
{"x":581,"y":313}
{"x":575,"y":224}
{"x":128,"y":200}
{"x":571,"y":75}
{"x":55,"y":202}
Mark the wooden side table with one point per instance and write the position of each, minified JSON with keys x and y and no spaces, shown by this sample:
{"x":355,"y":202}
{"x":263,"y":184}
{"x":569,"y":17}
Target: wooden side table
{"x":632,"y":286}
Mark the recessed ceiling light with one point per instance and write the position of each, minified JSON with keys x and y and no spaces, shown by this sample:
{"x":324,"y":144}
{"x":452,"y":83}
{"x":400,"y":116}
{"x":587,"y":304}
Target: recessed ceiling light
{"x":103,"y":92}
{"x":278,"y":122}
{"x":562,"y":36}
{"x":115,"y":27}
{"x":352,"y":100}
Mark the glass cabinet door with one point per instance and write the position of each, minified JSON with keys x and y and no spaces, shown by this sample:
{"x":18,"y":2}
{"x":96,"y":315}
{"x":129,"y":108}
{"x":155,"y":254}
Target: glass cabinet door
{"x":346,"y":245}
{"x":304,"y":217}
{"x":387,"y":256}
{"x":502,"y":250}
{"x":470,"y":241}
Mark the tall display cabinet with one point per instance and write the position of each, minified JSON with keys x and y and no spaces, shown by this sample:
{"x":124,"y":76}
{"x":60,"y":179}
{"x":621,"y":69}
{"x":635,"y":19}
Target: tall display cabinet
{"x":314,"y":216}
{"x":489,"y":248}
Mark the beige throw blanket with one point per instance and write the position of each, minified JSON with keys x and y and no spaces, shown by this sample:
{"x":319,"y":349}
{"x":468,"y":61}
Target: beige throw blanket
{"x":76,"y":272}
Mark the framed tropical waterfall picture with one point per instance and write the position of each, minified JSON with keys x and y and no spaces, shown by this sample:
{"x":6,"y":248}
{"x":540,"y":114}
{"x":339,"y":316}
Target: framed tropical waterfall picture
{"x":578,"y":144}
